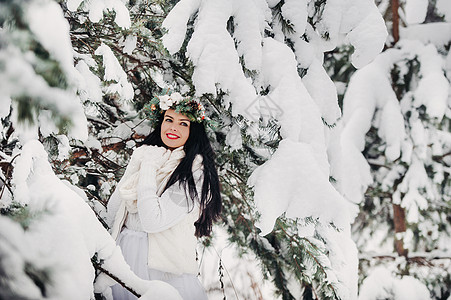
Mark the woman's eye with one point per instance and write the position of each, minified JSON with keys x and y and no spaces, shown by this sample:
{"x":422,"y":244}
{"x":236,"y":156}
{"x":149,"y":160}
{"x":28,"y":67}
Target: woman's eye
{"x":184,"y":124}
{"x":168,"y":120}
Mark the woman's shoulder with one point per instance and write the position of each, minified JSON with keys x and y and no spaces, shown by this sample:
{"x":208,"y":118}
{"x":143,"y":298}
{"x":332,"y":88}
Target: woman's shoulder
{"x":143,"y":150}
{"x":139,"y":152}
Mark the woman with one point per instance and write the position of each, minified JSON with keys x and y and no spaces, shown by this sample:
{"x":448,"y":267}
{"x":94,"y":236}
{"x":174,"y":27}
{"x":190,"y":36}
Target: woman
{"x":168,"y":196}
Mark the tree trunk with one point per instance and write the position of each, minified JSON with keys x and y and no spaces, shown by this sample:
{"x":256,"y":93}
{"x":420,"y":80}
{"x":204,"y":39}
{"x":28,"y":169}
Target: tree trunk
{"x":399,"y":220}
{"x":395,"y":20}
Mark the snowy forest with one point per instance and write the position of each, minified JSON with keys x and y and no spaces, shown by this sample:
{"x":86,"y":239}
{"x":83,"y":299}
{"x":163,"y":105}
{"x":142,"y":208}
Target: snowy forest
{"x":332,"y":141}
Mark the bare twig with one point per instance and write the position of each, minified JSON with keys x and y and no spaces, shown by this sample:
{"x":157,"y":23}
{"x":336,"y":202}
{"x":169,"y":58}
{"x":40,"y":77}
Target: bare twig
{"x":100,"y":268}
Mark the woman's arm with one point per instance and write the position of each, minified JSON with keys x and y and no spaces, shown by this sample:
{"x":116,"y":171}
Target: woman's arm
{"x":160,"y":213}
{"x":115,"y":198}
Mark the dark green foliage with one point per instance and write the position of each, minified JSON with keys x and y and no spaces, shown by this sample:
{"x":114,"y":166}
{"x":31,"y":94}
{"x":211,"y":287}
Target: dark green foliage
{"x":18,"y":213}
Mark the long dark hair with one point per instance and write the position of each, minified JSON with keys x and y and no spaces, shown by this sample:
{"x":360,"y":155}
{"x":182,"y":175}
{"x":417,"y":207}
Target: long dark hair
{"x":210,"y":199}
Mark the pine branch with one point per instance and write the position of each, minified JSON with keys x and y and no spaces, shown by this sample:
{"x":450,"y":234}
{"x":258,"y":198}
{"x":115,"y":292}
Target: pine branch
{"x":293,"y":240}
{"x":5,"y":184}
{"x":439,"y":158}
{"x":98,"y":266}
{"x":7,"y":173}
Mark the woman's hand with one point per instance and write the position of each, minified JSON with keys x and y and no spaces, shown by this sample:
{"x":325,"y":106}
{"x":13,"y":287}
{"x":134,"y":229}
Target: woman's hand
{"x":155,"y":156}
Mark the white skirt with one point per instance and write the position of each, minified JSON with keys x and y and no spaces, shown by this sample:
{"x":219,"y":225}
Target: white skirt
{"x":134,"y":246}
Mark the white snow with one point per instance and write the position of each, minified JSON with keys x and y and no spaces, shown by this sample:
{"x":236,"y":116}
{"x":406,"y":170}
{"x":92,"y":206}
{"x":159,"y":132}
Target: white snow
{"x":47,"y":22}
{"x":328,"y":25}
{"x":381,"y":284}
{"x":415,"y":11}
{"x":5,"y":106}
{"x":391,"y":129}
{"x":368,"y":90}
{"x":176,"y":24}
{"x":436,"y":33}
{"x":444,"y":7}
{"x":368,"y":38}
{"x":370,"y":100}
{"x":73,"y":5}
{"x":298,"y":188}
{"x":96,"y":8}
{"x":299,"y":116}
{"x":158,"y":78}
{"x":305,"y":53}
{"x":93,"y":143}
{"x":130,"y":44}
{"x":212,"y":51}
{"x":46,"y":124}
{"x":233,"y":138}
{"x":295,"y":12}
{"x":114,"y":72}
{"x":78,"y":123}
{"x":89,"y":88}
{"x":51,"y":29}
{"x":414,"y":180}
{"x":433,"y":88}
{"x":323,"y":91}
{"x":16,"y":252}
{"x":121,"y":132}
{"x":248,"y":32}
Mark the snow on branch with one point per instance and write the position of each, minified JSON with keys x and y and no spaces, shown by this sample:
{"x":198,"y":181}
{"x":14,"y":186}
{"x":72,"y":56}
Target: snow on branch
{"x":369,"y":91}
{"x":115,"y":73}
{"x":96,"y":9}
{"x":300,"y":188}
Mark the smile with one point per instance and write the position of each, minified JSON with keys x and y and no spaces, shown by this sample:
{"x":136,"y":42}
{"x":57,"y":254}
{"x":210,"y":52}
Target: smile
{"x":172,"y":136}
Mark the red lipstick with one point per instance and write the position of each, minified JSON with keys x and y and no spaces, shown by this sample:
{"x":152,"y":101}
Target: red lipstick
{"x":172,"y":136}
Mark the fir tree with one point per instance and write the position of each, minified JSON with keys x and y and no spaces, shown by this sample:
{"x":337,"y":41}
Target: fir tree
{"x":405,"y":207}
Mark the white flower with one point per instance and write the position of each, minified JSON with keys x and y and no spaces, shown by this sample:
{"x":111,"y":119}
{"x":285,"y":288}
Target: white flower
{"x":164,"y":105}
{"x":164,"y":98}
{"x":176,"y":97}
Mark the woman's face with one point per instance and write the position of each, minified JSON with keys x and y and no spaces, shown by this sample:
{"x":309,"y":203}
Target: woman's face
{"x":174,"y":129}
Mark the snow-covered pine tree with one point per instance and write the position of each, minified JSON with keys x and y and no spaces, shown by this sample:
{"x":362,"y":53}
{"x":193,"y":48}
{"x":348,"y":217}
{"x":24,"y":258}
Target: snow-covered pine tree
{"x":259,"y":64}
{"x":397,"y":142}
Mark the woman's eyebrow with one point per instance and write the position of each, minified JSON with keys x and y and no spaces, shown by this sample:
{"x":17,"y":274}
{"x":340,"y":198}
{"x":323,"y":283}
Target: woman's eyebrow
{"x":169,"y":116}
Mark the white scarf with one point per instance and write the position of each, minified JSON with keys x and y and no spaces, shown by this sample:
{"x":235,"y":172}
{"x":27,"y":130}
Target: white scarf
{"x":166,"y":170}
